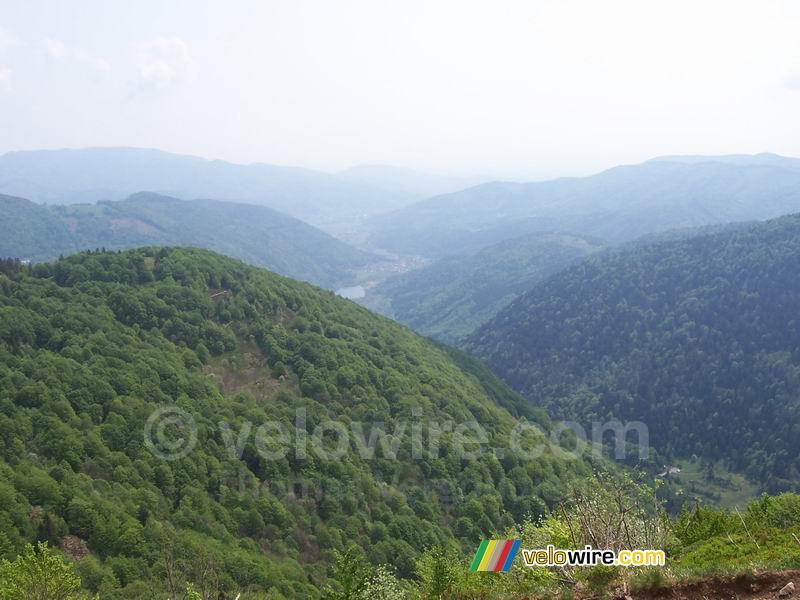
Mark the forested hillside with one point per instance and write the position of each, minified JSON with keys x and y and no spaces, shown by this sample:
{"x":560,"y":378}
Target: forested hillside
{"x":91,"y":345}
{"x":452,"y":297}
{"x":255,"y":234}
{"x":696,"y":337}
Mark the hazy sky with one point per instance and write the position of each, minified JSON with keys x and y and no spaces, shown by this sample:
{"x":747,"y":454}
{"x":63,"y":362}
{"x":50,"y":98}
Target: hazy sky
{"x":524,"y":88}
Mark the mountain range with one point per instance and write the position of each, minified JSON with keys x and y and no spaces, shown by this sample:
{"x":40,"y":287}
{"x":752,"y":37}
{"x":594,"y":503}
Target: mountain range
{"x":617,"y":205}
{"x":407,"y":180}
{"x":92,"y":174}
{"x":625,"y":296}
{"x":255,"y":234}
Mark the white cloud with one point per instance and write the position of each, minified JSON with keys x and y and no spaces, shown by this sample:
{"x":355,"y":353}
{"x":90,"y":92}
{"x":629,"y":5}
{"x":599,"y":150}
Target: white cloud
{"x":55,"y":48}
{"x":792,"y":82}
{"x":59,"y":51}
{"x":163,"y":62}
{"x":5,"y":77}
{"x":6,"y":39}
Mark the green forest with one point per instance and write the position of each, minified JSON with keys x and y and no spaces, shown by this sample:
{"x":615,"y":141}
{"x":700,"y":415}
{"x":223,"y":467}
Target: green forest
{"x":455,"y":295}
{"x":255,"y":234}
{"x":696,"y":337}
{"x":370,"y":300}
{"x":91,"y":345}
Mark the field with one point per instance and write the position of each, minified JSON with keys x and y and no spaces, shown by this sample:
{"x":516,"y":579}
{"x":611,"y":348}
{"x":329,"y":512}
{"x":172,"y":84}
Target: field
{"x":712,"y":484}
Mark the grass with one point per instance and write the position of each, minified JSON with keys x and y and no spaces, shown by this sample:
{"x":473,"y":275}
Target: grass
{"x":723,"y":488}
{"x":648,"y":578}
{"x":736,"y":553}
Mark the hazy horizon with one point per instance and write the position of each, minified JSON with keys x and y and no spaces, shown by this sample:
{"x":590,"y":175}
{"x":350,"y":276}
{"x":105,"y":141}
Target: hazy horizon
{"x":420,"y":171}
{"x":519,"y":90}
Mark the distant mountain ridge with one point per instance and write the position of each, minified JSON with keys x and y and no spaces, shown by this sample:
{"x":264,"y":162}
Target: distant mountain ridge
{"x":92,"y":174}
{"x":767,"y":159}
{"x":617,"y":205}
{"x":256,"y":234}
{"x":408,"y":180}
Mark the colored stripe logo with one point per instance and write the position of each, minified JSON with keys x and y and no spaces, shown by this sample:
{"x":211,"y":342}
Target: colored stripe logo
{"x":495,"y":555}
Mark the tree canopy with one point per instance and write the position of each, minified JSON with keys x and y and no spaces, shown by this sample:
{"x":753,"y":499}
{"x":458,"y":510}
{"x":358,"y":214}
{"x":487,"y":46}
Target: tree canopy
{"x":92,"y":345}
{"x":697,"y":337}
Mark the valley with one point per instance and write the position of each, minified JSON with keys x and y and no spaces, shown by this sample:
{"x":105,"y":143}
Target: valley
{"x":358,"y":300}
{"x":584,"y":328}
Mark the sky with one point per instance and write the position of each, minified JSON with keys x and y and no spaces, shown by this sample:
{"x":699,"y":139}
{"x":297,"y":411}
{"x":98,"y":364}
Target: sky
{"x":524,"y":89}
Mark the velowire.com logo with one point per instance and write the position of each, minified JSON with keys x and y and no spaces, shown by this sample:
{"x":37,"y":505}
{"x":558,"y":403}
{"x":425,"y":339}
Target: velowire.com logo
{"x":495,"y":555}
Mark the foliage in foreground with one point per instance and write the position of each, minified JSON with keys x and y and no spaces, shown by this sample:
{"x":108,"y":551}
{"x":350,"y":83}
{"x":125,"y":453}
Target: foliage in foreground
{"x":38,"y":574}
{"x":614,"y":513}
{"x":699,"y":542}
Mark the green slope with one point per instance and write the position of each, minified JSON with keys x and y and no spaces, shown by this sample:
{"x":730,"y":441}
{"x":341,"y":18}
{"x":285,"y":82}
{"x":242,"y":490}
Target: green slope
{"x":91,"y":345}
{"x":29,"y":230}
{"x":452,"y":297}
{"x":696,"y":337}
{"x":255,"y":234}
